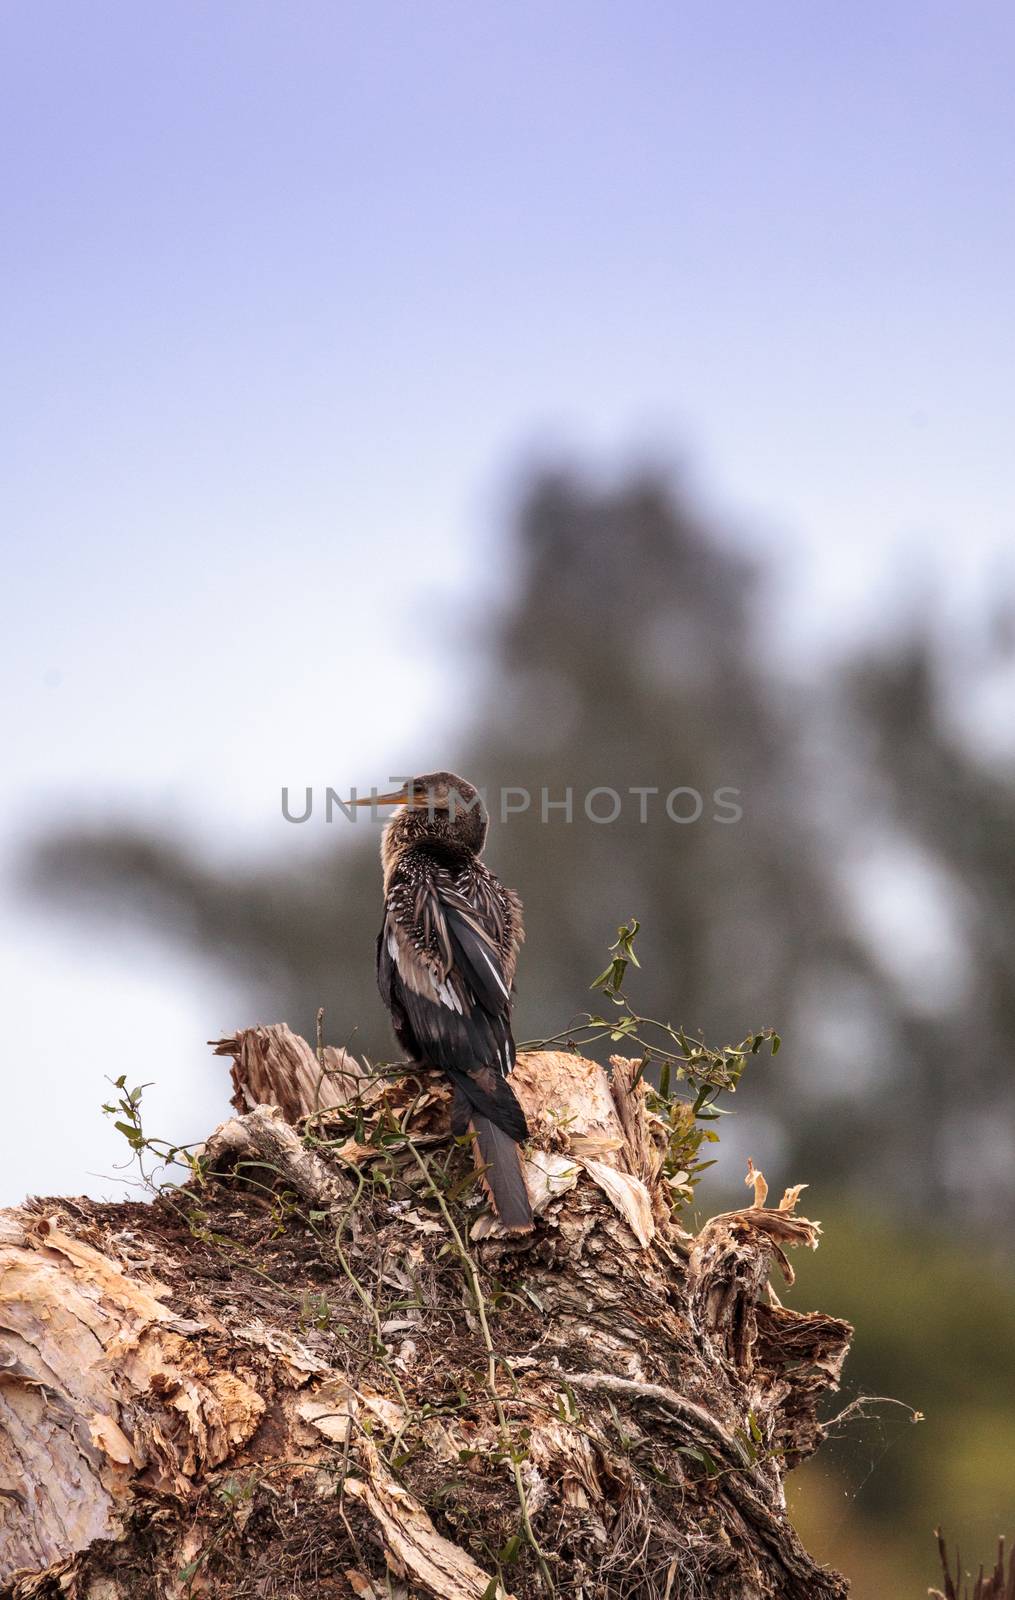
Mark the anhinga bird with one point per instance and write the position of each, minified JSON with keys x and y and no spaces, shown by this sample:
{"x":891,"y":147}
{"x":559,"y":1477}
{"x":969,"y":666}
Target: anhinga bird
{"x":446,"y":957}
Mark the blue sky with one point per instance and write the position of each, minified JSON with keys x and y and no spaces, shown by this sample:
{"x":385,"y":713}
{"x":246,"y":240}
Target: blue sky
{"x":291,"y":292}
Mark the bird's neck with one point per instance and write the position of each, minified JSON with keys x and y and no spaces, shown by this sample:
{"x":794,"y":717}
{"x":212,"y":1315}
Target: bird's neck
{"x":413,"y":830}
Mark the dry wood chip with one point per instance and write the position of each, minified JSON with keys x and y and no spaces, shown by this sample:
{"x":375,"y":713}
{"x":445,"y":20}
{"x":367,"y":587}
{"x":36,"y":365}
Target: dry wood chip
{"x":630,"y":1197}
{"x":412,"y":1543}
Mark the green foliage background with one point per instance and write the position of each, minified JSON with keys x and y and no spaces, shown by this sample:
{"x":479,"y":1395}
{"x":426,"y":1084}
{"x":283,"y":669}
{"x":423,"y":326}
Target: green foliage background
{"x":932,"y":1309}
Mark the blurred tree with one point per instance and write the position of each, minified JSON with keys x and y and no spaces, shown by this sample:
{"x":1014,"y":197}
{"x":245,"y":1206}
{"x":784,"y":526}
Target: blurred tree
{"x":864,"y":904}
{"x":635,"y":657}
{"x":937,"y":794}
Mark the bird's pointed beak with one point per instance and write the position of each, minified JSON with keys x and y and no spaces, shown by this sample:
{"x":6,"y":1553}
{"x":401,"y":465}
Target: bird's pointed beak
{"x":397,"y":797}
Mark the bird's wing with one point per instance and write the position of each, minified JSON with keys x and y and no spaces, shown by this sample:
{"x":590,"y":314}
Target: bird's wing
{"x":494,"y":915}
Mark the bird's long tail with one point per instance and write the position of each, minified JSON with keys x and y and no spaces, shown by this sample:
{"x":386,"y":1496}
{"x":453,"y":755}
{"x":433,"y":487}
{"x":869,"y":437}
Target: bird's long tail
{"x":502,"y":1177}
{"x":485,"y":1105}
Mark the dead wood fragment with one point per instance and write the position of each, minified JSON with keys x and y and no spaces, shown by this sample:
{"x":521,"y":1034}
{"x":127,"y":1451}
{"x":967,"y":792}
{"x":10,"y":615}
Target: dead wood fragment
{"x":641,"y":1153}
{"x":209,"y":1396}
{"x":272,"y":1066}
{"x":263,"y":1136}
{"x":414,"y":1548}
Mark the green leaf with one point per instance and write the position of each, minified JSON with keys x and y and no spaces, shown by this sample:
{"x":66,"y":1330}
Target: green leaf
{"x":507,"y":1555}
{"x":701,"y":1456}
{"x":463,"y":1186}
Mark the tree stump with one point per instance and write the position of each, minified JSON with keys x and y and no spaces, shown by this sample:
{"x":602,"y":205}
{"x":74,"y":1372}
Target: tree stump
{"x":318,"y":1368}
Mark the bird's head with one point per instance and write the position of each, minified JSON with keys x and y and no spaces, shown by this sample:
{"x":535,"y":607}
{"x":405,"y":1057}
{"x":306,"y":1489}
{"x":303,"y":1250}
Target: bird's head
{"x":437,"y":807}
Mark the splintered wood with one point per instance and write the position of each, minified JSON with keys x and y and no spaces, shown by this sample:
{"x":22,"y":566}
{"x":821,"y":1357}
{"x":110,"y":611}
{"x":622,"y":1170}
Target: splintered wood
{"x":277,"y":1380}
{"x":272,"y":1066}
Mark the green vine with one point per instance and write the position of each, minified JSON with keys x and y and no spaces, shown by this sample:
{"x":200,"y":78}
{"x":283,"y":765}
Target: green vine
{"x":669,"y":1057}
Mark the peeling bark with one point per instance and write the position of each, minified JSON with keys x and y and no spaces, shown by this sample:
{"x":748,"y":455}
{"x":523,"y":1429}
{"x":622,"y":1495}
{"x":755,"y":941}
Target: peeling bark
{"x":278,"y":1379}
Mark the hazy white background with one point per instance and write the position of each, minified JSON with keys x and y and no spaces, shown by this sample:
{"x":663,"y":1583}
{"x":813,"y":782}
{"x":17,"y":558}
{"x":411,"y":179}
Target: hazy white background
{"x":291,"y":292}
